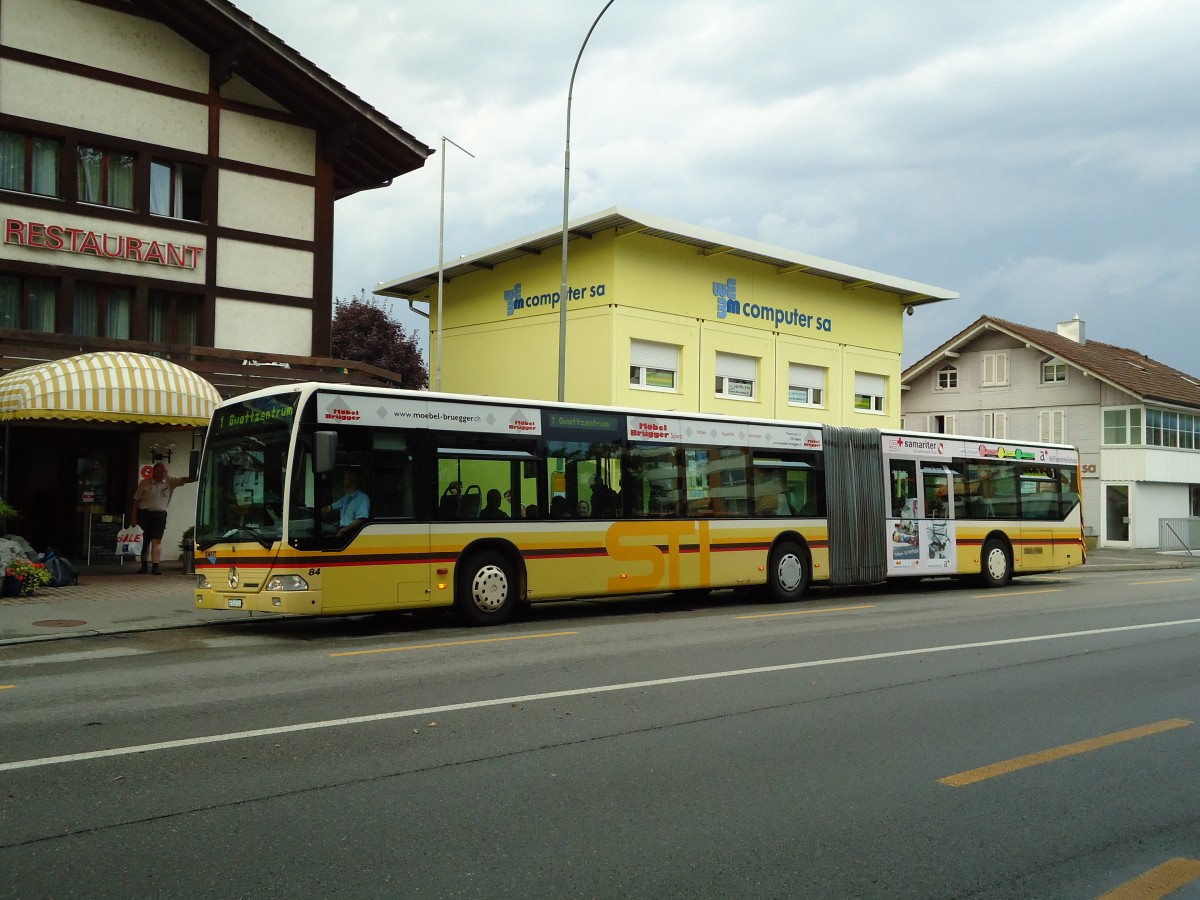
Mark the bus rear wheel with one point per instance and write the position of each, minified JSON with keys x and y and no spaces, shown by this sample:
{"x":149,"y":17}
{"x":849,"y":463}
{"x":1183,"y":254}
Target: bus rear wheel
{"x":487,"y":590}
{"x":996,"y":569}
{"x":787,"y":572}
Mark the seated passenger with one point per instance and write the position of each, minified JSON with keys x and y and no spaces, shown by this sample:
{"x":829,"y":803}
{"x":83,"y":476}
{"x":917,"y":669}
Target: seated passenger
{"x":492,"y":509}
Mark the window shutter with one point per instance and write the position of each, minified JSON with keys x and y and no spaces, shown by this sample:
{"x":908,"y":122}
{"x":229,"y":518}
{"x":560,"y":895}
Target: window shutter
{"x":730,"y":365}
{"x":802,"y":376}
{"x":654,"y":355}
{"x":872,"y":385}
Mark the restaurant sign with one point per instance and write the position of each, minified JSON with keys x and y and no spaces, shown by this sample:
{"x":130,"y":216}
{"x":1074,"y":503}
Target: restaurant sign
{"x":67,"y":239}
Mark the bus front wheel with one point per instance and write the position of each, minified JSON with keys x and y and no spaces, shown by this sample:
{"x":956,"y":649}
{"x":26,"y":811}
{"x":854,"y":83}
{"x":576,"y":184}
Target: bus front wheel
{"x":996,"y":567}
{"x":487,"y":590}
{"x":787,"y":572}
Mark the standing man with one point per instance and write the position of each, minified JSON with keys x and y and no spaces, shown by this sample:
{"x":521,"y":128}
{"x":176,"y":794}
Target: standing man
{"x":150,"y":502}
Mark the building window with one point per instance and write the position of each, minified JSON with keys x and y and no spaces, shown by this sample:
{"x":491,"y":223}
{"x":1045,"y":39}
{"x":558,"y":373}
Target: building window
{"x":176,"y":189}
{"x":27,"y":303}
{"x":940,"y":424}
{"x":1054,"y":371}
{"x":105,"y":177}
{"x":947,"y":378}
{"x":1194,"y":500}
{"x":102,"y":310}
{"x":806,"y":385}
{"x":653,"y":366}
{"x":870,"y":392}
{"x":174,"y":318}
{"x":736,"y":376}
{"x":1123,"y":426}
{"x":1052,"y":426}
{"x":1165,"y":428}
{"x":1189,"y":431}
{"x":995,"y":426}
{"x":995,"y":369}
{"x":29,"y":164}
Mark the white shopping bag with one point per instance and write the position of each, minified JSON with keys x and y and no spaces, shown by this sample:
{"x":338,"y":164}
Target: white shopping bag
{"x":129,"y":541}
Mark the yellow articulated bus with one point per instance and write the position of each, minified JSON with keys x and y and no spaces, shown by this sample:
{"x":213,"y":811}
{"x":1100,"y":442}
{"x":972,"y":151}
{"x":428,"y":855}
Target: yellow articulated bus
{"x":328,"y":499}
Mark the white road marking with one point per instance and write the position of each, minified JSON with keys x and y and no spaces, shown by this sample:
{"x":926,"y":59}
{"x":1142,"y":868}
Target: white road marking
{"x":558,"y":695}
{"x":81,"y":656}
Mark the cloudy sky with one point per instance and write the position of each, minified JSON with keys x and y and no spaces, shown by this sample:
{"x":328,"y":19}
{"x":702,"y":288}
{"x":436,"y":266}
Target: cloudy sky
{"x":1039,"y":158}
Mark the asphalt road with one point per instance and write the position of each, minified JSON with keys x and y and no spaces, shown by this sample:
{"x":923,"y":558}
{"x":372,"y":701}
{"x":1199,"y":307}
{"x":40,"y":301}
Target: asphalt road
{"x":1036,"y":741}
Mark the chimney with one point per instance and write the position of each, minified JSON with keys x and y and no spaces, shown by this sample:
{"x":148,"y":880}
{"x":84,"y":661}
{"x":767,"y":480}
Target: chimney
{"x":1073,"y":330}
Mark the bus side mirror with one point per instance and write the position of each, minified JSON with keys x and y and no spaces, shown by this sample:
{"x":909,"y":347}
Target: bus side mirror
{"x":193,"y":465}
{"x":324,"y":451}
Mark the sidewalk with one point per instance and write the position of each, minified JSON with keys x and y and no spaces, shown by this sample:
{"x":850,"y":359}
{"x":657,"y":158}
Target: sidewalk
{"x":113,"y":600}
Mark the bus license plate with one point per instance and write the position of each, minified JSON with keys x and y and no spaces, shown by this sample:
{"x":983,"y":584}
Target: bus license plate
{"x":235,"y":602}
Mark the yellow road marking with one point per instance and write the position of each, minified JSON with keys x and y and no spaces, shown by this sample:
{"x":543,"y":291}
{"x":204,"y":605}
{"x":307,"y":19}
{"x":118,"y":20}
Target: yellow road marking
{"x":1017,"y":593}
{"x":804,"y":612}
{"x":1055,"y":753}
{"x":1159,"y":881}
{"x":1163,"y":581}
{"x":5,"y":687}
{"x":521,"y":637}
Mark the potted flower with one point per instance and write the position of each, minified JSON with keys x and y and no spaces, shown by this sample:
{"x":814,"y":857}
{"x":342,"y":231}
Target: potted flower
{"x":23,"y":577}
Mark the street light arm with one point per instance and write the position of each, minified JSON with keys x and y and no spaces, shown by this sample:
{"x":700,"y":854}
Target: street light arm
{"x":562,"y":296}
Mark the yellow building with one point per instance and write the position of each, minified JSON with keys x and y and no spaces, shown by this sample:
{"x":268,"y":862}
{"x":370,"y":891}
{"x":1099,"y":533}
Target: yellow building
{"x":665,"y":315}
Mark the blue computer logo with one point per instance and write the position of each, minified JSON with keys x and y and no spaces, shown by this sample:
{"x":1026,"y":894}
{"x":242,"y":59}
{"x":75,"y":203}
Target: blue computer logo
{"x":513,"y":299}
{"x":726,"y":294}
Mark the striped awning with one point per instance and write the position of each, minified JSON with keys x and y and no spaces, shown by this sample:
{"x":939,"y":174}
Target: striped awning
{"x":108,"y":387}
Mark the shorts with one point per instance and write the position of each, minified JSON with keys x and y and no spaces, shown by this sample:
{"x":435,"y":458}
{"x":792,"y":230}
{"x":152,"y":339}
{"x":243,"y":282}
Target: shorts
{"x":153,"y":523}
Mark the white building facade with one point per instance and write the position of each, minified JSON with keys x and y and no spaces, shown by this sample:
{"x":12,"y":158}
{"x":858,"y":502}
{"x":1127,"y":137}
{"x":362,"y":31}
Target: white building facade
{"x":1135,"y":421}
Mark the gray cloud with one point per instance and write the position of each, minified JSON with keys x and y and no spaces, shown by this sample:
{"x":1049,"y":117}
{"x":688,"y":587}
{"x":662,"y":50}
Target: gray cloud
{"x":1041,"y":159}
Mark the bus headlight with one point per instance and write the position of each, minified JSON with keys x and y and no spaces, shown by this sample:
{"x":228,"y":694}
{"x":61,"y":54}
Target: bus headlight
{"x":202,"y":582}
{"x":286,"y":583}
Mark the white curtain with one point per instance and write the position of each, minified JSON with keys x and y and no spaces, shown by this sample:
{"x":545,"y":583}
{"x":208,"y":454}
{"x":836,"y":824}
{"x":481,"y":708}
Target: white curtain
{"x":10,"y":301}
{"x":116,"y":312}
{"x":89,"y":173}
{"x":42,"y":297}
{"x":87,"y":310}
{"x":120,"y":180}
{"x":12,"y":161}
{"x":160,"y":189}
{"x":45,"y":166}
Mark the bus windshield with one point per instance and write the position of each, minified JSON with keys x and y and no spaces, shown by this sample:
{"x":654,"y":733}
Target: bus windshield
{"x":242,"y":483}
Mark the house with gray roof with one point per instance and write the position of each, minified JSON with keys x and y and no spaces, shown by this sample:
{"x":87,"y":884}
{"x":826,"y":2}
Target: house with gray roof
{"x":1135,"y":421}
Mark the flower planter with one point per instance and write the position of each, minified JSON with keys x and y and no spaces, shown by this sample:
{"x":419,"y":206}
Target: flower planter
{"x":11,"y":587}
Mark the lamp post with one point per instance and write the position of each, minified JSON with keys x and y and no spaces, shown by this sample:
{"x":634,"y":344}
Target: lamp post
{"x":437,"y":383}
{"x":562,"y":297}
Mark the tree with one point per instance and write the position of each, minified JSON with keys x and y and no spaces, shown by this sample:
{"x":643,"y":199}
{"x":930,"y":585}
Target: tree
{"x":362,"y":331}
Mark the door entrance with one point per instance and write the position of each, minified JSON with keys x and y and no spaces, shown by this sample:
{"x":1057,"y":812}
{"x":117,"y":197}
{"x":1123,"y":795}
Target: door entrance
{"x":1116,"y":514}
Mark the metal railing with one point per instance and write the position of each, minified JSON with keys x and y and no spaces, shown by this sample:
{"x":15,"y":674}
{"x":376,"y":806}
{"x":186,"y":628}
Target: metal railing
{"x":1179,"y":534}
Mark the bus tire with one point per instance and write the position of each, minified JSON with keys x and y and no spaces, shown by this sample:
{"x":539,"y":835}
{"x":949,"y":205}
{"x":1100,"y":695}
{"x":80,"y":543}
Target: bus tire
{"x":487,"y":593}
{"x":788,"y":572}
{"x":995,"y":564}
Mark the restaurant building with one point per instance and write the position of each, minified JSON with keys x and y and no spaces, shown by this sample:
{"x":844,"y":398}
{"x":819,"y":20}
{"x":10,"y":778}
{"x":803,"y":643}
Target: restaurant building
{"x":168,"y":174}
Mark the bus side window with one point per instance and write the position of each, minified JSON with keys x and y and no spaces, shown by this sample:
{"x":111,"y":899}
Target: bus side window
{"x":903,"y":488}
